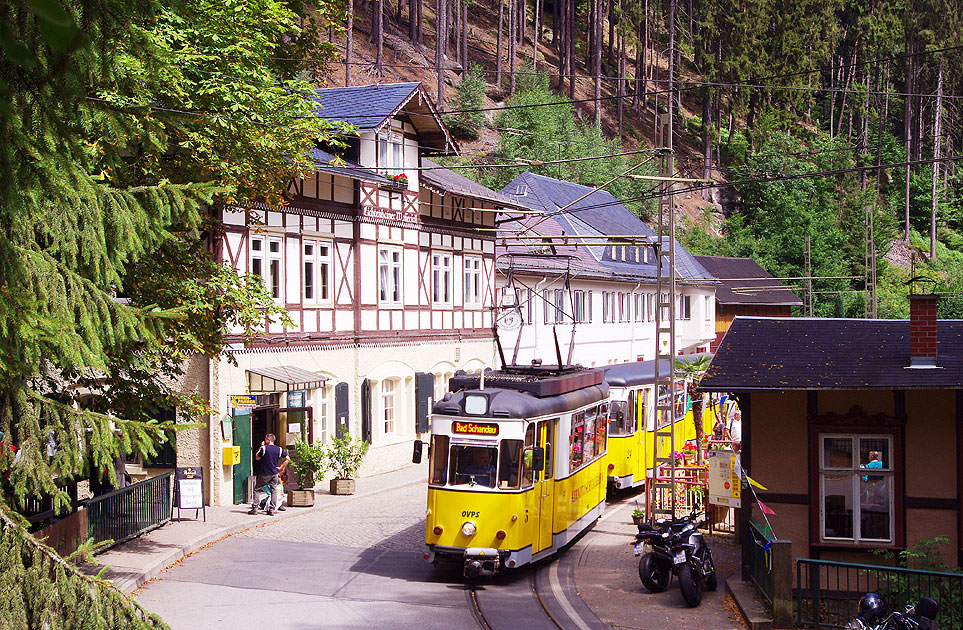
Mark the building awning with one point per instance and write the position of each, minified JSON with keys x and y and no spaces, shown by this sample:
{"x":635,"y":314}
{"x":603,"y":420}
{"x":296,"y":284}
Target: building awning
{"x":283,"y":378}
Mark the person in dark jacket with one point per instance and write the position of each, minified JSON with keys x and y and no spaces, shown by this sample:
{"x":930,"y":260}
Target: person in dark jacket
{"x":270,"y":460}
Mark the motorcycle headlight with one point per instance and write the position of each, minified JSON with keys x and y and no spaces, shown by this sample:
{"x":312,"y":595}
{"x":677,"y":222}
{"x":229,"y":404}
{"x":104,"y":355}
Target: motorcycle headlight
{"x":665,"y":534}
{"x":468,"y":529}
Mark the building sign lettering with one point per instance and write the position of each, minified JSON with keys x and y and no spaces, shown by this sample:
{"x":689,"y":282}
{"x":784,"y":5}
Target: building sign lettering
{"x":387,"y":214}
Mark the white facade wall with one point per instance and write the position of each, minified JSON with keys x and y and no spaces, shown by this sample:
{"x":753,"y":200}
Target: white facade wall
{"x":601,"y":341}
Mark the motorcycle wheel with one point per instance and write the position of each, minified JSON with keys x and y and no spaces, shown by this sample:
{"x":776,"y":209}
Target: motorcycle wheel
{"x":712,"y":582}
{"x":691,"y":591}
{"x":654,"y":578}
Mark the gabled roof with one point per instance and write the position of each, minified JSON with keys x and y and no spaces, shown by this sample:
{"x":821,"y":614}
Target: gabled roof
{"x":327,"y":163}
{"x":782,"y":353}
{"x":599,"y":214}
{"x":370,"y":107}
{"x":538,"y":257}
{"x":752,"y":290}
{"x":444,"y":181}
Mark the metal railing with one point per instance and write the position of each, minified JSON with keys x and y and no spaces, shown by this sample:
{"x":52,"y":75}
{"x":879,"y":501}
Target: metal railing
{"x":689,"y":486}
{"x":760,"y":559}
{"x":827,"y":592}
{"x":122,"y":514}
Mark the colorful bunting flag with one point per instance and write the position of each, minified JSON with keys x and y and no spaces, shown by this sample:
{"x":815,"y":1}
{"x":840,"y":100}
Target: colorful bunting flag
{"x":765,"y":508}
{"x":756,"y":483}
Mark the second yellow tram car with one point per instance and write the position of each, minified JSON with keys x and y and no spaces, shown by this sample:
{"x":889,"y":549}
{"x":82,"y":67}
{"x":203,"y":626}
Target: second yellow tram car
{"x":517,"y":465}
{"x":633,"y":421}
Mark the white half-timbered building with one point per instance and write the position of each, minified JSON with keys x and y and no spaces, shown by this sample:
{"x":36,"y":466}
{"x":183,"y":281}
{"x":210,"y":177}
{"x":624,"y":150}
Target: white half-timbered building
{"x":598,"y":300}
{"x":382,"y":263}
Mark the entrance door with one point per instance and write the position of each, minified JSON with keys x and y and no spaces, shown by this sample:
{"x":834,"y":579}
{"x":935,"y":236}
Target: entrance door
{"x":545,"y":484}
{"x":242,"y":438}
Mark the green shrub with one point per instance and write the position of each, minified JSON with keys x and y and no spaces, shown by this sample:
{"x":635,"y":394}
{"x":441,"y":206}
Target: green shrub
{"x":469,"y":95}
{"x":309,"y":462}
{"x":345,"y":456}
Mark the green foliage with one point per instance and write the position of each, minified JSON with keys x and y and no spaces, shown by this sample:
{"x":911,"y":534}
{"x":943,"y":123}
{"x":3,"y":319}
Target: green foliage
{"x":345,"y":456}
{"x":469,"y":98}
{"x":309,"y":462}
{"x":43,"y":591}
{"x":552,"y":133}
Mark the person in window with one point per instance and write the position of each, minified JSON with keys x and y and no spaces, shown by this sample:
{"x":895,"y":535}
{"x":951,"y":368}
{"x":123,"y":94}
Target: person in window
{"x":875,"y":461}
{"x":480,"y":470}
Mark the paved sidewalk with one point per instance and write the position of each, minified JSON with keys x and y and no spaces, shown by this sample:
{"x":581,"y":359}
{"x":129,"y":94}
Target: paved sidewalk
{"x":137,"y":561}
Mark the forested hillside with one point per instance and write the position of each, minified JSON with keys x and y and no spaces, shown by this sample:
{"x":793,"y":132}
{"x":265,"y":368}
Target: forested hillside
{"x":835,"y":120}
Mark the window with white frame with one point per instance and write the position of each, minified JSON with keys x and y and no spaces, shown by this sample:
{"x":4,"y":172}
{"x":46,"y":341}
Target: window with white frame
{"x":257,"y":256}
{"x":323,"y":423}
{"x":274,"y":268}
{"x":625,"y":313}
{"x":639,"y":307}
{"x":856,"y":491}
{"x":441,"y":278}
{"x":474,"y":289}
{"x":685,"y":307}
{"x":664,"y":311}
{"x":650,"y":306}
{"x":389,"y":403}
{"x":389,"y":275}
{"x":390,"y":152}
{"x":555,"y":306}
{"x":579,"y":307}
{"x":708,"y":308}
{"x":316,"y":279}
{"x":524,"y":301}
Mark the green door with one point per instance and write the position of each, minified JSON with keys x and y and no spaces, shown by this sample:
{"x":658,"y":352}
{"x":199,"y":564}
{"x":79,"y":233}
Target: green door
{"x":242,"y":438}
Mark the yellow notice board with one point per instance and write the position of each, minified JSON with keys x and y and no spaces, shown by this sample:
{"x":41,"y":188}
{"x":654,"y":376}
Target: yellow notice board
{"x":724,"y":484}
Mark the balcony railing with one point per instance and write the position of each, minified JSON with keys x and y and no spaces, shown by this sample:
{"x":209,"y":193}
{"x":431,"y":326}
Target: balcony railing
{"x":122,"y":514}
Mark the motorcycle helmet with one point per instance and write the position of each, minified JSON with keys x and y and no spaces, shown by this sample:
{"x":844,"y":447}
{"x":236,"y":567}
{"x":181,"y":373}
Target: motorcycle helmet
{"x":871,"y":608}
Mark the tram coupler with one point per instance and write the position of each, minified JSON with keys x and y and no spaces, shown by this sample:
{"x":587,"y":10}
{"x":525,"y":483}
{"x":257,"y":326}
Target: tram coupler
{"x":481,"y":561}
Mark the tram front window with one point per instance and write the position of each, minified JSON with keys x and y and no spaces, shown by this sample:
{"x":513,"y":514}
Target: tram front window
{"x":617,"y":418}
{"x":474,"y":465}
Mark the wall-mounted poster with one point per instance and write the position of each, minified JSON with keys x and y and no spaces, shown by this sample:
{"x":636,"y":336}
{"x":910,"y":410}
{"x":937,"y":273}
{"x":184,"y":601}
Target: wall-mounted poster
{"x":724,"y":482}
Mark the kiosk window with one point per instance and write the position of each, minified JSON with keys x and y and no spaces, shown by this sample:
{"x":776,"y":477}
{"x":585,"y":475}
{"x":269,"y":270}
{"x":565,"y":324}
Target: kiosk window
{"x":439,"y":459}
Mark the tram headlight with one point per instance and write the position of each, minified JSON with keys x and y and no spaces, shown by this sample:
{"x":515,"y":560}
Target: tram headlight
{"x":468,"y":529}
{"x":438,"y":530}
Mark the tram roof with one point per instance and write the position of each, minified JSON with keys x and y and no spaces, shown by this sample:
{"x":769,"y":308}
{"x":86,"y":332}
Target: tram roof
{"x":640,"y":372}
{"x":511,"y":403}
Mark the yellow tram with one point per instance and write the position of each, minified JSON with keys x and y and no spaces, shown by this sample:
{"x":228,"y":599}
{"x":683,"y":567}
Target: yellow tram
{"x":633,"y":421}
{"x":517,"y":465}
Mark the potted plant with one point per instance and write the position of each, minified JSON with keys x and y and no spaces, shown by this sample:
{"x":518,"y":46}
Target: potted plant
{"x":309,"y":462}
{"x":638,"y":515}
{"x":345,"y":456}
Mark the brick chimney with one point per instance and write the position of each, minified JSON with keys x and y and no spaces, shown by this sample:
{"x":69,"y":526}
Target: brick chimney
{"x":923,"y":330}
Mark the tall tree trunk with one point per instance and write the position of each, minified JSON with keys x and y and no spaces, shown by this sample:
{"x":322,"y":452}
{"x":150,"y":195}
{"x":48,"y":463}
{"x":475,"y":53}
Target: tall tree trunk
{"x":937,"y":145}
{"x":466,"y":62}
{"x":413,"y":21}
{"x":570,"y":31}
{"x":498,"y":44}
{"x":421,"y":23}
{"x":441,"y":45}
{"x":520,"y":29}
{"x":907,"y":139}
{"x":537,"y":34}
{"x":611,"y":13}
{"x":621,"y":81}
{"x":378,"y":19}
{"x":706,"y":139}
{"x":512,"y":27}
{"x":347,"y":47}
{"x":597,"y":60}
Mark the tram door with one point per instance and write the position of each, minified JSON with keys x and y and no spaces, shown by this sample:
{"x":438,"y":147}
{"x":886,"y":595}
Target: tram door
{"x":641,"y":426}
{"x":545,"y":482}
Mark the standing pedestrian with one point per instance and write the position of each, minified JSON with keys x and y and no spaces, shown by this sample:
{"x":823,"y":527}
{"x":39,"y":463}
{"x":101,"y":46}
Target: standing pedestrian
{"x":267,"y":458}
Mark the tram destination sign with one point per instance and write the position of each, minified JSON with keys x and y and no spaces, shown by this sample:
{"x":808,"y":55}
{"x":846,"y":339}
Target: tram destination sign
{"x":474,"y":428}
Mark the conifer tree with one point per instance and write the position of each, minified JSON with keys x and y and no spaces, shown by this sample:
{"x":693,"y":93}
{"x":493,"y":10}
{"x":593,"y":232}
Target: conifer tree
{"x":121,"y":124}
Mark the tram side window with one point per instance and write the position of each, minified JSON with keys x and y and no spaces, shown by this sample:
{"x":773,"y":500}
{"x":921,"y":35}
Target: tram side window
{"x":631,"y":413}
{"x":588,"y":443}
{"x":474,"y":465}
{"x":662,"y":417}
{"x":618,"y":421}
{"x":528,"y":476}
{"x":600,"y":431}
{"x":578,"y":435}
{"x":509,"y":467}
{"x":439,"y":459}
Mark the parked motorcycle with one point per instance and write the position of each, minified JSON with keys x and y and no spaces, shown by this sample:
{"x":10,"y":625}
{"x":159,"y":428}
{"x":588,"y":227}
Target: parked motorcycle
{"x":675,"y":547}
{"x":871,"y":615}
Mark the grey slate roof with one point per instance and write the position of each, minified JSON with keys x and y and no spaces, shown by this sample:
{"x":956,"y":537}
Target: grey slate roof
{"x":557,"y":258}
{"x":752,"y":290}
{"x":369,"y":107}
{"x":364,"y":106}
{"x":449,"y":181}
{"x":779,"y":353}
{"x":325,"y":163}
{"x":598,"y":214}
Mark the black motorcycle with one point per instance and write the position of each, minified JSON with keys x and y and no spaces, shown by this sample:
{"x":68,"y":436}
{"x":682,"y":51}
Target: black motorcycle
{"x":675,"y":547}
{"x":871,"y":615}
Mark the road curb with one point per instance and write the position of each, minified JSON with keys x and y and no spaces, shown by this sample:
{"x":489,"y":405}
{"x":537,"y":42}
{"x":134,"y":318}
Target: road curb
{"x":749,"y":605}
{"x":131,"y":582}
